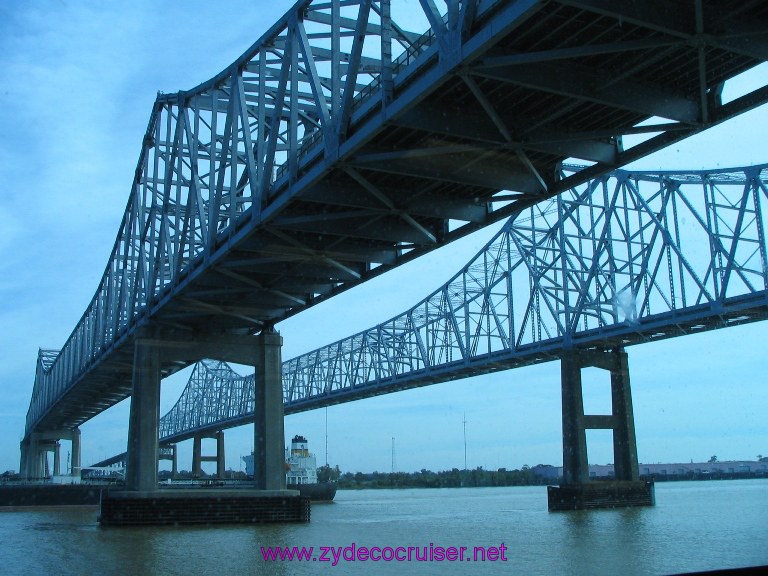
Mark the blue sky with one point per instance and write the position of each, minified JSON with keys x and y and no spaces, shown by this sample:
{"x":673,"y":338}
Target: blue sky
{"x":77,"y":83}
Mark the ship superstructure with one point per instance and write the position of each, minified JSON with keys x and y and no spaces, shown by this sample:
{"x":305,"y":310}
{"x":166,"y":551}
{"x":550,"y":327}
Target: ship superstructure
{"x":300,"y":471}
{"x":301,"y":464}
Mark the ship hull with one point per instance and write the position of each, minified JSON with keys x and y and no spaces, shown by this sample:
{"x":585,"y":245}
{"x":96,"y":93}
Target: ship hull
{"x":319,"y":492}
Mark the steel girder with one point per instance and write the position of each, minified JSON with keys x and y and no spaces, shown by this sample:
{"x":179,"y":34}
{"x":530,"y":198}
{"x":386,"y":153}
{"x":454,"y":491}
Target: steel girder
{"x":626,"y":258}
{"x":348,"y":140}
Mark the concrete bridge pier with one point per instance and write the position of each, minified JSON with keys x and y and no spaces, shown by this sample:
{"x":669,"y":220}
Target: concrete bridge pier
{"x":44,"y":447}
{"x":27,"y":467}
{"x":198,"y":458}
{"x":269,"y":430}
{"x":144,"y":419}
{"x":170,"y":452}
{"x":577,"y":491}
{"x":34,"y":454}
{"x":75,"y":464}
{"x":220,"y":455}
{"x":24,"y":460}
{"x":27,"y":464}
{"x":269,"y":436}
{"x":57,"y":458}
{"x":144,"y":503}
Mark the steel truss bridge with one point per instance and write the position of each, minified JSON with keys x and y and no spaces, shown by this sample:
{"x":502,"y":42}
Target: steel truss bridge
{"x":626,"y":258}
{"x":356,"y":135}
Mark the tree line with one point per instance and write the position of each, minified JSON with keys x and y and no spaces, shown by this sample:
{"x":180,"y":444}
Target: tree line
{"x":453,"y":478}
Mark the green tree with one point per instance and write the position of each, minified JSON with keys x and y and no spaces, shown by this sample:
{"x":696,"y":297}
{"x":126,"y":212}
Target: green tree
{"x":327,"y":474}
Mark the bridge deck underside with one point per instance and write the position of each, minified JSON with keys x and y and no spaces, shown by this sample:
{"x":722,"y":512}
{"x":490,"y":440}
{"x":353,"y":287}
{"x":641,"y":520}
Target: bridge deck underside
{"x":472,"y":122}
{"x":452,"y":144}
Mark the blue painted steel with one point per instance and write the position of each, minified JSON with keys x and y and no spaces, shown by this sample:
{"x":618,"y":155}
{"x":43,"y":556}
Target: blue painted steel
{"x":626,"y":258}
{"x":344,"y":143}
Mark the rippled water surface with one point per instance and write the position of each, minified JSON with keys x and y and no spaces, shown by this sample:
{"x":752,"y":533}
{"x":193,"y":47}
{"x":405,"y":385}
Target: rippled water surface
{"x":694,"y":526}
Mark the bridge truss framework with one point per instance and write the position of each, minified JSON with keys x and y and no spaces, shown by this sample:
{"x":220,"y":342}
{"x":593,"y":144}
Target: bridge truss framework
{"x":626,"y":258}
{"x":354,"y":136}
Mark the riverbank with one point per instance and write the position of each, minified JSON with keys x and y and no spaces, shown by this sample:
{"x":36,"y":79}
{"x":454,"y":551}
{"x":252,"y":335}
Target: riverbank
{"x":480,"y":478}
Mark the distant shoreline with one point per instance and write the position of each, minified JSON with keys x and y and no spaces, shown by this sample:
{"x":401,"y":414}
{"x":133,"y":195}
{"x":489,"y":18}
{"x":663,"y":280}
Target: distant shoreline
{"x":503,"y":478}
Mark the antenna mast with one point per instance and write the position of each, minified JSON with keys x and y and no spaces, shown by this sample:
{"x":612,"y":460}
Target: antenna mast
{"x":465,"y":440}
{"x":326,"y":436}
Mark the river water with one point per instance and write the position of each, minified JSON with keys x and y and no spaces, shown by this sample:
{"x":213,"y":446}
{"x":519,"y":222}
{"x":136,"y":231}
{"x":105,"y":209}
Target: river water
{"x":694,"y":526}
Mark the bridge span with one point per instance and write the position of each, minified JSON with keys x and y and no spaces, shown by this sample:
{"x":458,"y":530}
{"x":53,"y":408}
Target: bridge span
{"x":342,"y":144}
{"x":628,"y":258}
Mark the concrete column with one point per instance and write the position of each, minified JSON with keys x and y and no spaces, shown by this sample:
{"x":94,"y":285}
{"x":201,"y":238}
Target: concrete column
{"x":45,"y":444}
{"x":36,"y":469}
{"x":143,"y":428}
{"x":57,"y":459}
{"x":575,"y":470}
{"x":174,"y":462}
{"x":31,"y":459}
{"x":624,"y":441}
{"x":269,"y":433}
{"x":220,"y":462}
{"x":197,"y":456}
{"x":24,"y":463}
{"x":168,"y":452}
{"x":75,"y":462}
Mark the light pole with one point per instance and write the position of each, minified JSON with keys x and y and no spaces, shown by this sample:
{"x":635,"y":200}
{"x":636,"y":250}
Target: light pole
{"x":465,"y":440}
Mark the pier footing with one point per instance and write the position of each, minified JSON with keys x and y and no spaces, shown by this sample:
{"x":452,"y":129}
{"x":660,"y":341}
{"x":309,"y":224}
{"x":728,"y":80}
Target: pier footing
{"x":30,"y":495}
{"x":617,"y":494}
{"x":170,"y":507}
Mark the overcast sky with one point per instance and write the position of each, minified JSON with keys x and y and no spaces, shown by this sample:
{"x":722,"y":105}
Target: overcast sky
{"x":77,"y":83}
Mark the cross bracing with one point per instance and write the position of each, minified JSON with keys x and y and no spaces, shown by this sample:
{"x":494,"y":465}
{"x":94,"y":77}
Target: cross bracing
{"x":356,"y":135}
{"x":626,"y":258}
{"x":215,"y":394}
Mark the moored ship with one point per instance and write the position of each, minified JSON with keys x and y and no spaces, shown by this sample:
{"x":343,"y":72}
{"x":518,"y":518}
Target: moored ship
{"x":301,"y":471}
